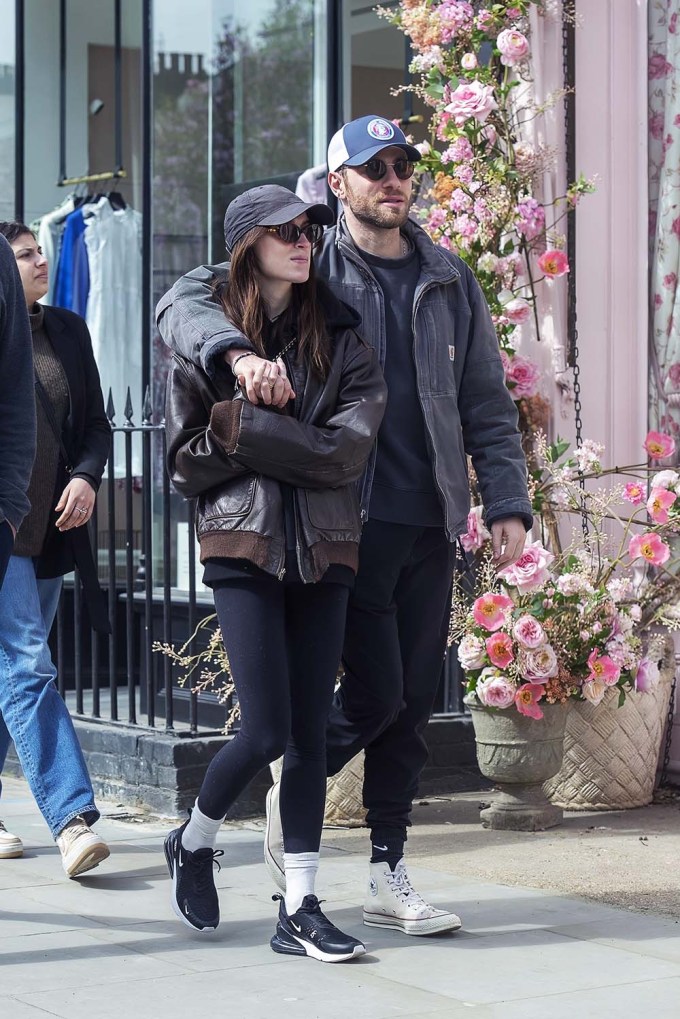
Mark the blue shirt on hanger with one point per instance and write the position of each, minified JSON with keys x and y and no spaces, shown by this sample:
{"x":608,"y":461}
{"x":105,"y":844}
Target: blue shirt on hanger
{"x":73,"y":270}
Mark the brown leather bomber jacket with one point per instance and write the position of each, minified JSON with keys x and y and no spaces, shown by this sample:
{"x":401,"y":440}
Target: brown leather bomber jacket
{"x":233,"y":455}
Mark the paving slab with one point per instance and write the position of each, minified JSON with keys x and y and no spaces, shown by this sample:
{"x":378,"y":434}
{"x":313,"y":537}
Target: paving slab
{"x":108,"y":943}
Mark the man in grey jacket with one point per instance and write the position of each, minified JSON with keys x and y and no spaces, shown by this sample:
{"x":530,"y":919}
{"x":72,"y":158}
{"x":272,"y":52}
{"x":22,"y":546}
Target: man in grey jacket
{"x":424,"y":312}
{"x":17,"y":403}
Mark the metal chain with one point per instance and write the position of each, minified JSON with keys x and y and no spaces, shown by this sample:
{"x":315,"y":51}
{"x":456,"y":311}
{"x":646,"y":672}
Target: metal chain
{"x":567,"y":75}
{"x":670,"y":718}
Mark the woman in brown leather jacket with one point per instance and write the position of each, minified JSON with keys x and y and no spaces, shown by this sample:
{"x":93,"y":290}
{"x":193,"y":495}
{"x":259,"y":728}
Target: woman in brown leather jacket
{"x":278,"y":522}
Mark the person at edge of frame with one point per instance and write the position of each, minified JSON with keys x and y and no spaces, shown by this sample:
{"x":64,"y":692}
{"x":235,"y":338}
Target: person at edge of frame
{"x":279,"y":522}
{"x":73,"y":442}
{"x":424,"y":313}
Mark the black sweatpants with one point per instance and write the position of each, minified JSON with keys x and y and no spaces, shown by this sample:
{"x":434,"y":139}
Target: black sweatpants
{"x":284,"y":642}
{"x":395,"y":640}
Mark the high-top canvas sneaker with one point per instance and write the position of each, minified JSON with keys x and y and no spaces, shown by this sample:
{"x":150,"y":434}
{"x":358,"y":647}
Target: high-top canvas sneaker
{"x":273,"y":838}
{"x":392,"y":901}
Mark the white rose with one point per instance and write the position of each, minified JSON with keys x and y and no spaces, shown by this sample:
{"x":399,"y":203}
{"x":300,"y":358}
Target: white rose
{"x":593,"y":690}
{"x":471,"y":652}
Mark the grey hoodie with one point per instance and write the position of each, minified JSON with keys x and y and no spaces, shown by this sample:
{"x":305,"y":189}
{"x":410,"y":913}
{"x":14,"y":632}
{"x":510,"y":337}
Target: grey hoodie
{"x":17,"y":392}
{"x":467,"y":408}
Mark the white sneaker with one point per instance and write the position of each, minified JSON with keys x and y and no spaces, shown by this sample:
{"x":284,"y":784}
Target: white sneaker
{"x":11,"y":846}
{"x":81,"y":849}
{"x":392,"y":902}
{"x":273,"y":838}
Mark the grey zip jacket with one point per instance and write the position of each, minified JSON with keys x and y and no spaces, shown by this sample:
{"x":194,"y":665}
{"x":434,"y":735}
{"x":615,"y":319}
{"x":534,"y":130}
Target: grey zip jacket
{"x":466,"y":405}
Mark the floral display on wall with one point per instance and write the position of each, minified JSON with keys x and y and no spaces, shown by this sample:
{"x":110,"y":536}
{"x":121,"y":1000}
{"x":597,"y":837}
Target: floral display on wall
{"x":664,"y":213}
{"x":483,"y":200}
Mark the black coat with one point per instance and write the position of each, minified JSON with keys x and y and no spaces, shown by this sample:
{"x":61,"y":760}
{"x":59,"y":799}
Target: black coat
{"x":86,"y":437}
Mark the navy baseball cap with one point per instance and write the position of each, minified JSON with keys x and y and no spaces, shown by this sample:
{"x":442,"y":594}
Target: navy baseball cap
{"x":357,"y":142}
{"x":268,"y":205}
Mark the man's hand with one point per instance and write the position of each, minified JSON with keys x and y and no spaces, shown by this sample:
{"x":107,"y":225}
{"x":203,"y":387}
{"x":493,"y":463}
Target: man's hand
{"x":263,"y":381}
{"x":507,"y":540}
{"x":76,"y":504}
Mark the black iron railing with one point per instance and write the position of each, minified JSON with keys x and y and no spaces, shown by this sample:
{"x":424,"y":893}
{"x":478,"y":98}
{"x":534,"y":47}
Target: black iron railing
{"x":134,"y":530}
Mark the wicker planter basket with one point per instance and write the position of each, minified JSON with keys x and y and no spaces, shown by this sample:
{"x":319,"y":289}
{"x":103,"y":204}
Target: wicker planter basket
{"x":610,"y":753}
{"x":344,"y":802}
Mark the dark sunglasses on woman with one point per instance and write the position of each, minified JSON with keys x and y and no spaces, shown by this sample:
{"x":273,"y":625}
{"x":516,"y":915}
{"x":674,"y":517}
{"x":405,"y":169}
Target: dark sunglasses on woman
{"x":290,"y":233}
{"x":375,"y":169}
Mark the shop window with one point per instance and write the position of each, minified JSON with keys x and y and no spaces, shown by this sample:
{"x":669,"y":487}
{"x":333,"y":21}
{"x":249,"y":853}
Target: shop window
{"x":7,"y":116}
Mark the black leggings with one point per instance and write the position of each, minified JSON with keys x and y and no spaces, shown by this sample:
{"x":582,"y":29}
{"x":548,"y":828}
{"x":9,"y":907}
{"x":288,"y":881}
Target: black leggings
{"x":284,"y":643}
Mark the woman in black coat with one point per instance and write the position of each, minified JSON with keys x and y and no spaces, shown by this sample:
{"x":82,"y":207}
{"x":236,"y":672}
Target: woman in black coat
{"x":73,"y":441}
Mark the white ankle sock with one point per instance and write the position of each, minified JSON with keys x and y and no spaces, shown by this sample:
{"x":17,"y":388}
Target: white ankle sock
{"x":201,"y":831}
{"x":300,"y":871}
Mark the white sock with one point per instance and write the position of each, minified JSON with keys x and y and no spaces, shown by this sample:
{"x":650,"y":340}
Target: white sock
{"x":300,"y":871}
{"x":201,"y":831}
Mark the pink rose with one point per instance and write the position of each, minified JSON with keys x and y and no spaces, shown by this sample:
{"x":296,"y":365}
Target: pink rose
{"x":659,"y":446}
{"x":602,"y":667}
{"x":499,"y":650}
{"x":528,"y":632}
{"x":538,"y":664}
{"x":477,"y":533}
{"x":494,"y":690}
{"x":513,"y":46}
{"x":649,"y":546}
{"x":553,"y":264}
{"x":670,"y":280}
{"x":527,"y":698}
{"x":674,"y":373}
{"x":530,"y":572}
{"x":522,"y":376}
{"x":491,"y":610}
{"x":659,"y":503}
{"x":634,"y":492}
{"x":517,"y":311}
{"x":647,"y":675}
{"x":471,"y":100}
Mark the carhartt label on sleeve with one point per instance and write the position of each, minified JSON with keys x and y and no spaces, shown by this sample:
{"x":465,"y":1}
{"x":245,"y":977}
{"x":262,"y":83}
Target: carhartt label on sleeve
{"x":452,"y":352}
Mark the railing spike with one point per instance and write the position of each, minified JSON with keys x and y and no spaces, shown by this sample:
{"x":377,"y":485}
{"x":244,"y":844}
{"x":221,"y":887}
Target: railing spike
{"x":128,"y":411}
{"x":110,"y":409}
{"x":147,"y":409}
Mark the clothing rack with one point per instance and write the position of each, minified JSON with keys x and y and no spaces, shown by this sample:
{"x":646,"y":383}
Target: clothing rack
{"x":119,"y":171}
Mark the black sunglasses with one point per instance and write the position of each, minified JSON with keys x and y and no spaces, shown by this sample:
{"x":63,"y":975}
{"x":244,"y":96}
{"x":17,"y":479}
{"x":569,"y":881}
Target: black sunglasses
{"x":290,"y":233}
{"x":375,"y":169}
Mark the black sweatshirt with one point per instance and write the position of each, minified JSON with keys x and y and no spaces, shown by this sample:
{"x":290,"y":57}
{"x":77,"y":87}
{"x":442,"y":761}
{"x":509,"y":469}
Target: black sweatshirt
{"x":17,"y":392}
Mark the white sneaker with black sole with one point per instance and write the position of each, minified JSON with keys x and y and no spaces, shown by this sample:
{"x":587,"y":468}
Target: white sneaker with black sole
{"x":309,"y":932}
{"x":393,"y":902}
{"x":194,"y":896}
{"x":273,"y":838}
{"x":11,"y":846}
{"x":81,"y":848}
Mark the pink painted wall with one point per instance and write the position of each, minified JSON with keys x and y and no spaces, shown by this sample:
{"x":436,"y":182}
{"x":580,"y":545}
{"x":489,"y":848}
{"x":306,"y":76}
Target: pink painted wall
{"x":611,"y":268}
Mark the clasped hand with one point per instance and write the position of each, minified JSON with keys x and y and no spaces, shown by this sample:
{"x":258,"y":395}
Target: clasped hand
{"x":264,"y":381}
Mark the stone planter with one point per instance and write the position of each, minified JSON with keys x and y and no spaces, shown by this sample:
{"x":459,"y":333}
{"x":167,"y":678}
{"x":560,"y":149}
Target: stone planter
{"x":611,"y":753}
{"x":518,"y":754}
{"x":344,"y":800}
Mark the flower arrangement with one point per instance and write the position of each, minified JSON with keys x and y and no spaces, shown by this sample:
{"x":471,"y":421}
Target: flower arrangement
{"x":484,"y":199}
{"x":569,"y":622}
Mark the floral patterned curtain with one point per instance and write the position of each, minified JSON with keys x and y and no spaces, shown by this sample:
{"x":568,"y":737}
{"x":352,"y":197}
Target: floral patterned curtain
{"x":664,"y":214}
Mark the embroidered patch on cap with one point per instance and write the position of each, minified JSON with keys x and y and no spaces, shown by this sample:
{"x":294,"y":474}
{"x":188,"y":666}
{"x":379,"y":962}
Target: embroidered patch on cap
{"x":381,"y":129}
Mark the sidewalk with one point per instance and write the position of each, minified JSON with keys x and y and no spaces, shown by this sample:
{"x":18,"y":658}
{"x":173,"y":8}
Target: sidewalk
{"x":109,"y":946}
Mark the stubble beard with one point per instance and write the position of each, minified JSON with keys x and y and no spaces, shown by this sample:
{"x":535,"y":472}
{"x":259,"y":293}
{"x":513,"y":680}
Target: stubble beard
{"x":369,"y":211}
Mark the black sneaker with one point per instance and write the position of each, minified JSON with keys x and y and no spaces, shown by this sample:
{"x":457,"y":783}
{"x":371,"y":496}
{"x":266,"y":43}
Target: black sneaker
{"x":194,"y":896}
{"x":309,"y":932}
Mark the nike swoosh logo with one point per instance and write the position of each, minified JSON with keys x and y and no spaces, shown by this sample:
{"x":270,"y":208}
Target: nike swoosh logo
{"x":383,"y":849}
{"x":295,"y":927}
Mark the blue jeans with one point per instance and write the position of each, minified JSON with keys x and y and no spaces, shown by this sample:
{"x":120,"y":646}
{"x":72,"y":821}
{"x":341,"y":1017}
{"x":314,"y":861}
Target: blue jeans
{"x":32,"y":713}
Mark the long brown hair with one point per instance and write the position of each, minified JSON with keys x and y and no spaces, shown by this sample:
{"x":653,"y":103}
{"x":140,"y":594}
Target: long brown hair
{"x":242,"y":301}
